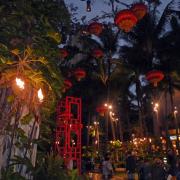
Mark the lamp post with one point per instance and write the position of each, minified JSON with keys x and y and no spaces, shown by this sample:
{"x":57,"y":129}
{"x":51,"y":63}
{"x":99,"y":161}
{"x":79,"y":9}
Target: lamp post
{"x":177,"y":128}
{"x":156,"y":119}
{"x":109,"y":107}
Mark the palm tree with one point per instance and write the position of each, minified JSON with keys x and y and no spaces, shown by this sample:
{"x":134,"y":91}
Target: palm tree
{"x":143,"y":46}
{"x":29,"y":50}
{"x":170,"y":65}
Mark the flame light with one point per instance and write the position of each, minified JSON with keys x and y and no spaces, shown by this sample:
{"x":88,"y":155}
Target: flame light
{"x":40,"y":95}
{"x":20,"y":83}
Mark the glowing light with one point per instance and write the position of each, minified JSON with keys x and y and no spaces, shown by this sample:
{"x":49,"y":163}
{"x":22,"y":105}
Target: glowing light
{"x":156,"y":106}
{"x":40,"y":95}
{"x":20,"y":83}
{"x":110,"y":107}
{"x":175,"y":110}
{"x":105,"y":105}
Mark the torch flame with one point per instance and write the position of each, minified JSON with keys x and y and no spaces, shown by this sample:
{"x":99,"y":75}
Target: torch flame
{"x":20,"y":83}
{"x":40,"y":95}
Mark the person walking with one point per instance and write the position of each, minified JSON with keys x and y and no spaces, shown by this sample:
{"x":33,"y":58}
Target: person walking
{"x":131,"y":165}
{"x":145,"y":171}
{"x":157,"y":171}
{"x":172,"y":161}
{"x":107,"y":168}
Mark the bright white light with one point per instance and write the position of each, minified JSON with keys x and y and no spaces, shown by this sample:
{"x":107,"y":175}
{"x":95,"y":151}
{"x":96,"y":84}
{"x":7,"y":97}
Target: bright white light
{"x":105,"y":104}
{"x":40,"y":95}
{"x":110,"y":107}
{"x":20,"y":83}
{"x":175,"y":110}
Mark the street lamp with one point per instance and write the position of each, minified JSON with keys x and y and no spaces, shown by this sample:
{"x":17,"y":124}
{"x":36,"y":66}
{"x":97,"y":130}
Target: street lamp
{"x":156,"y":122}
{"x":177,"y":128}
{"x":40,"y":95}
{"x":20,"y":83}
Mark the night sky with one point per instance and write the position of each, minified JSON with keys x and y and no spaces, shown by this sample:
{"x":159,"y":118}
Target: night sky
{"x":98,"y":6}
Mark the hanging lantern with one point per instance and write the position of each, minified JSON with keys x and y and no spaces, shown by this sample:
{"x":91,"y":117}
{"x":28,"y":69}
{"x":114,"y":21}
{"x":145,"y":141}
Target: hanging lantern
{"x":139,"y":9}
{"x":102,"y":110}
{"x":98,"y":53}
{"x":95,"y":28}
{"x":154,"y":77}
{"x":88,"y":6}
{"x":125,"y":20}
{"x":63,"y":53}
{"x":79,"y":74}
{"x":67,"y":85}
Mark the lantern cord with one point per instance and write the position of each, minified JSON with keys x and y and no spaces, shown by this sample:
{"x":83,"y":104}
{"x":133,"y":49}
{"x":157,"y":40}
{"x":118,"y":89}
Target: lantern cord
{"x":88,"y":6}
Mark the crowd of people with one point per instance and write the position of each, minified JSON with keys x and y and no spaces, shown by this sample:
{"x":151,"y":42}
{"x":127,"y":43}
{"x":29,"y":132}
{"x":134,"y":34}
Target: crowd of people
{"x":145,"y":169}
{"x":153,"y":169}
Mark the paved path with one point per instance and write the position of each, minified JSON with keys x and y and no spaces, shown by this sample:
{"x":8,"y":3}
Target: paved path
{"x":97,"y":176}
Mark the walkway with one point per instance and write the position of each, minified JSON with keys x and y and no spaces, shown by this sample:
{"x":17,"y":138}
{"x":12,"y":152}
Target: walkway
{"x":98,"y":176}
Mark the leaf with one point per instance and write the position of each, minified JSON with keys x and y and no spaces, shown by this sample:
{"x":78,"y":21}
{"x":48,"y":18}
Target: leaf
{"x":26,"y":119}
{"x":3,"y":47}
{"x":20,"y":132}
{"x":29,"y":51}
{"x":10,"y":99}
{"x":43,"y":60}
{"x":54,"y":35}
{"x":15,"y":52}
{"x":2,"y":60}
{"x":9,"y":62}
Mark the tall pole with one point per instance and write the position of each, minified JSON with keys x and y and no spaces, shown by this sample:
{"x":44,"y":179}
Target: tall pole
{"x":108,"y":93}
{"x":177,"y":129}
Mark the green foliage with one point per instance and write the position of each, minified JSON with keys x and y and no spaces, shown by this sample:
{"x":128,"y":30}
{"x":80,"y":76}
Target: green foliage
{"x":31,"y":33}
{"x":9,"y":174}
{"x":26,"y":119}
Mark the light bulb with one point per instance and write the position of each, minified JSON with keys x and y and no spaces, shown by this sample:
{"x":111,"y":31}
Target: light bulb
{"x":40,"y":95}
{"x":20,"y":83}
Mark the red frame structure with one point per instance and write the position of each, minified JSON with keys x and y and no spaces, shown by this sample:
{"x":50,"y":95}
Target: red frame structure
{"x":68,"y":131}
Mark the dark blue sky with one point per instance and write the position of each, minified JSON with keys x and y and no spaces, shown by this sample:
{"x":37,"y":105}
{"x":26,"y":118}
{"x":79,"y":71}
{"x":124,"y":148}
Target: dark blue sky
{"x":98,"y":6}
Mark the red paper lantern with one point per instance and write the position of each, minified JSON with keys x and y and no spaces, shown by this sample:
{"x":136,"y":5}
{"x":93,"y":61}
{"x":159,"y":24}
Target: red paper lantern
{"x":79,"y":74}
{"x":154,"y":77}
{"x":95,"y":28}
{"x":63,"y":53}
{"x":102,"y":110}
{"x":139,"y":9}
{"x":67,"y":85}
{"x":125,"y":20}
{"x":98,"y":53}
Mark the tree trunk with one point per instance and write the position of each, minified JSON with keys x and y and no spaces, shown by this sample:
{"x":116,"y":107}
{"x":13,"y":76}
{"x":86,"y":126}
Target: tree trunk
{"x":174,"y":116}
{"x":138,"y":94}
{"x":168,"y":141}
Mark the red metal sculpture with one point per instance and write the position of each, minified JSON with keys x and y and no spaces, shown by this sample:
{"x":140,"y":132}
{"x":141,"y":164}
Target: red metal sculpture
{"x":125,"y":20}
{"x":68,"y":131}
{"x":139,"y":9}
{"x":154,"y":77}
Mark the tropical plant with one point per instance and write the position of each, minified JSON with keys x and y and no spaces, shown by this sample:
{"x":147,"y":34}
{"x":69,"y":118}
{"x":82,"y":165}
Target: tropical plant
{"x":30,"y":81}
{"x":143,"y":47}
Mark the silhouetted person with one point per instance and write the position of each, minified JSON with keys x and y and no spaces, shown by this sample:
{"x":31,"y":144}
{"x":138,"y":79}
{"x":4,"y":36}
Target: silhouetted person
{"x":131,"y":165}
{"x":171,"y":159}
{"x":157,"y":171}
{"x":107,"y":168}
